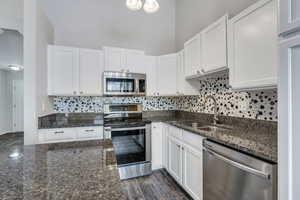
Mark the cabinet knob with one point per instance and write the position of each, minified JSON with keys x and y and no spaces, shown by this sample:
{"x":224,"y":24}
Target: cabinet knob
{"x":198,"y":72}
{"x":81,"y":92}
{"x":202,"y":70}
{"x":74,"y":92}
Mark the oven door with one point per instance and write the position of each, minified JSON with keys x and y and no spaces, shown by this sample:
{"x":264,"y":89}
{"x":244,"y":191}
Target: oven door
{"x":120,"y":86}
{"x":132,"y":145}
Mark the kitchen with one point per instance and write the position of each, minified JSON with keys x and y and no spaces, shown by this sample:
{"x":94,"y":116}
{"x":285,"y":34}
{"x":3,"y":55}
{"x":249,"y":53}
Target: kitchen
{"x":190,"y":114}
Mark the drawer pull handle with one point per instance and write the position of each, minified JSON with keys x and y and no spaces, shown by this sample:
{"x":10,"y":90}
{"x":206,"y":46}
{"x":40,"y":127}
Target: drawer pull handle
{"x":58,"y":132}
{"x":89,"y":130}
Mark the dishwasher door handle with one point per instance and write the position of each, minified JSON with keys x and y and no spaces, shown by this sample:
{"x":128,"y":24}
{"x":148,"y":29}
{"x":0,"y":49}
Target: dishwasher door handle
{"x":239,"y":165}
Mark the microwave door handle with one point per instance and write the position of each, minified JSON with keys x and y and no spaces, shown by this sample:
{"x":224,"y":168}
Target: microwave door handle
{"x":137,"y":86}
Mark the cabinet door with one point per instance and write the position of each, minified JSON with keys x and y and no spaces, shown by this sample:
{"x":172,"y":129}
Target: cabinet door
{"x":91,"y":67}
{"x":165,"y":145}
{"x":135,"y":61}
{"x":175,"y":159}
{"x":253,"y":47}
{"x":62,"y":70}
{"x":289,"y":16}
{"x":180,"y":73}
{"x":214,"y":45}
{"x":166,"y":75}
{"x":289,"y":126}
{"x":151,"y":70}
{"x":192,"y":172}
{"x":156,"y":137}
{"x":192,"y":52}
{"x":115,"y":59}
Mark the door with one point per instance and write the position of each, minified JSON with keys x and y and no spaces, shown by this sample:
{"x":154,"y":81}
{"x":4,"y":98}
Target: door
{"x":135,"y":61}
{"x":115,"y":59}
{"x":18,"y":106}
{"x":289,"y":16}
{"x":253,"y":47}
{"x":157,"y":145}
{"x":62,"y":70}
{"x":166,"y":75}
{"x":151,"y":69}
{"x":175,"y":159}
{"x":192,"y":52}
{"x":214,"y":45}
{"x":192,"y":172}
{"x":289,"y":127}
{"x":130,"y":145}
{"x":91,"y":67}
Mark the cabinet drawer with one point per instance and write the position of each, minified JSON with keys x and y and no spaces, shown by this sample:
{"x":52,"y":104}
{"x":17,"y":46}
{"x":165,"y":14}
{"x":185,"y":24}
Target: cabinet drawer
{"x":192,"y":139}
{"x":53,"y":135}
{"x":90,"y":133}
{"x":175,"y":132}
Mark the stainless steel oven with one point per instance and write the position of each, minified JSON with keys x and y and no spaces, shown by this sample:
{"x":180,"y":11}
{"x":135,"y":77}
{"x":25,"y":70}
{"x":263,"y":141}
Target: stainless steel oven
{"x":124,"y":84}
{"x":131,"y":138}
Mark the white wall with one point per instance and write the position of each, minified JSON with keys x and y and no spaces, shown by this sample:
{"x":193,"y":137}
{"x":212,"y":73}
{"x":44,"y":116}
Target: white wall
{"x":38,"y":33}
{"x":96,"y":23}
{"x":11,"y":14}
{"x":194,"y":15}
{"x":11,"y":48}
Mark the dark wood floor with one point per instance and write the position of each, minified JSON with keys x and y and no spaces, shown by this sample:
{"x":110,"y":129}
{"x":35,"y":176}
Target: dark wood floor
{"x":160,"y":185}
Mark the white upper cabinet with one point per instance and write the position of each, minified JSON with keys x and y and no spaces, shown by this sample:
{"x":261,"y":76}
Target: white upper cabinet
{"x":289,"y":16}
{"x":74,"y":71}
{"x":192,"y":52}
{"x":118,"y":59}
{"x":167,"y":75}
{"x":91,"y":67}
{"x":180,"y":73}
{"x":214,"y":45}
{"x":115,"y":59}
{"x":151,"y":71}
{"x":184,"y":87}
{"x":253,"y":50}
{"x":62,"y":70}
{"x":135,"y":61}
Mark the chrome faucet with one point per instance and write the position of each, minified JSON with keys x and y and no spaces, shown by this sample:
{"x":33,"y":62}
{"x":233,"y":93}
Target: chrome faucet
{"x":215,"y":119}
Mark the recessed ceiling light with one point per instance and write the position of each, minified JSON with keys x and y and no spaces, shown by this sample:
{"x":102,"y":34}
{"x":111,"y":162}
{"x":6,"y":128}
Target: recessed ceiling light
{"x":15,"y":67}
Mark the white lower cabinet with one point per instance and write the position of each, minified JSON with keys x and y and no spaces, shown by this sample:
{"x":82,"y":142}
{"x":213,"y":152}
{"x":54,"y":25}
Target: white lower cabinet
{"x":192,"y":172}
{"x":70,"y":134}
{"x":157,"y":145}
{"x":175,"y":159}
{"x":181,"y":157}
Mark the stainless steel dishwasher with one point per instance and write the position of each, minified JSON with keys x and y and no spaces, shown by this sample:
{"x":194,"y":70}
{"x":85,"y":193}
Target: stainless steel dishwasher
{"x":232,"y":175}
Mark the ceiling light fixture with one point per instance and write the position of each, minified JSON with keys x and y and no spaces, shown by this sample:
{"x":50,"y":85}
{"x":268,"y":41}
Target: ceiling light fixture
{"x":150,"y":6}
{"x":15,"y":67}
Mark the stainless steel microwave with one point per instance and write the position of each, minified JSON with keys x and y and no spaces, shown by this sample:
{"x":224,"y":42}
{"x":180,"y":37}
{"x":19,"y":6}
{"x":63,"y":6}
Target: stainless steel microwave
{"x":124,"y":84}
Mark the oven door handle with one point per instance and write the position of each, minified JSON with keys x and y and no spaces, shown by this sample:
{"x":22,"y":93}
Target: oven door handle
{"x":239,"y":165}
{"x":128,"y":129}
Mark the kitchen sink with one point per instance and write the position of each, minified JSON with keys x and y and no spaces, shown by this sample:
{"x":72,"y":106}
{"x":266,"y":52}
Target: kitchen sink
{"x":214,"y":128}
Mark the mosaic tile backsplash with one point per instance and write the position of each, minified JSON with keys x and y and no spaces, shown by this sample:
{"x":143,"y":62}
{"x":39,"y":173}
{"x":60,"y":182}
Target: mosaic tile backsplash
{"x":252,"y":104}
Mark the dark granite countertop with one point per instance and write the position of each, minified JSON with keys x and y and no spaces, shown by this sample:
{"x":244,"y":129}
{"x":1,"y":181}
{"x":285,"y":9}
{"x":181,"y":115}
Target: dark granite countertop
{"x":76,"y":170}
{"x":70,"y":120}
{"x":255,"y":137}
